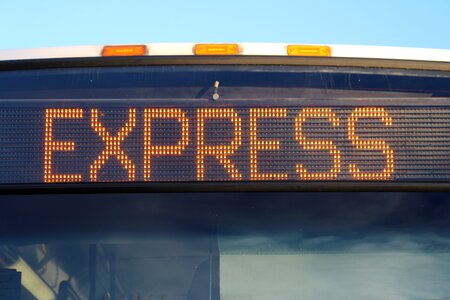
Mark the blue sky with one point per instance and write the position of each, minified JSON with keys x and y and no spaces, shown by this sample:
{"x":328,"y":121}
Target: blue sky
{"x":44,"y":23}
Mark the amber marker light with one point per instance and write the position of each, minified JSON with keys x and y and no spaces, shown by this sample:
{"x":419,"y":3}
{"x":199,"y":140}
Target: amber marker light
{"x":124,"y":50}
{"x":216,"y":49}
{"x":308,"y":50}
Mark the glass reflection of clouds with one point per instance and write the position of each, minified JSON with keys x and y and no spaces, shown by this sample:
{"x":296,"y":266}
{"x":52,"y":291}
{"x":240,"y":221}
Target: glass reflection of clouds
{"x":243,"y":246}
{"x":367,"y":246}
{"x":329,"y":267}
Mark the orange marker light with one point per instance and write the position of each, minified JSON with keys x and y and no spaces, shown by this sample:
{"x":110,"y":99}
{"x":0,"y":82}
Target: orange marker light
{"x":124,"y":50}
{"x":216,"y":49}
{"x":308,"y":50}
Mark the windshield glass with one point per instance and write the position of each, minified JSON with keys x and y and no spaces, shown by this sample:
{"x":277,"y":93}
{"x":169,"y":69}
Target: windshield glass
{"x":162,"y":123}
{"x":235,"y":82}
{"x":94,"y":242}
{"x":228,"y":246}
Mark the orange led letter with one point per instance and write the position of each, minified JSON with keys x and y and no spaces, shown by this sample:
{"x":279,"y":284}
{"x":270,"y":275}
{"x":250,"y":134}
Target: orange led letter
{"x":371,"y":112}
{"x":112,"y":145}
{"x":221,"y":152}
{"x":325,"y":113}
{"x":50,"y":145}
{"x":149,"y":149}
{"x":256,"y":144}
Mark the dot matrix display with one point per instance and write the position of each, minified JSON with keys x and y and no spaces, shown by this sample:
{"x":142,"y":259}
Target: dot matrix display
{"x":145,"y":142}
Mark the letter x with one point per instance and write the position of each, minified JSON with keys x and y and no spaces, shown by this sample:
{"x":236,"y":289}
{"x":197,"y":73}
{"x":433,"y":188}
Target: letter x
{"x":112,"y":145}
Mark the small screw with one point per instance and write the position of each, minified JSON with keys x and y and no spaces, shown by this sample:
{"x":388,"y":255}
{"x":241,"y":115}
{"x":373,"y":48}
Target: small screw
{"x":216,"y":96}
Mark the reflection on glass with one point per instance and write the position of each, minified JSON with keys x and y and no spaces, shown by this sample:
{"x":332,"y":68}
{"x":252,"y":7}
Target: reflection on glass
{"x":230,"y":246}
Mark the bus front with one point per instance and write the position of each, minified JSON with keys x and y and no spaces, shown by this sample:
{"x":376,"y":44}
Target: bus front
{"x":225,"y":171}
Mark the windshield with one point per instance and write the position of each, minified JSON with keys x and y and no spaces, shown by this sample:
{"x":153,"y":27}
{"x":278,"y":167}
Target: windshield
{"x":123,"y":241}
{"x":163,"y":124}
{"x":235,"y":83}
{"x":229,"y":246}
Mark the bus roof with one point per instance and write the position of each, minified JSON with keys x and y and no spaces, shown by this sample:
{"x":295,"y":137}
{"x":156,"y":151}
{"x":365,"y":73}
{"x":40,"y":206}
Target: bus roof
{"x":244,"y":49}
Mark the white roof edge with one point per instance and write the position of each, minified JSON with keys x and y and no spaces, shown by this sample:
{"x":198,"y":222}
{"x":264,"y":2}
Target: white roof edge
{"x":260,"y":49}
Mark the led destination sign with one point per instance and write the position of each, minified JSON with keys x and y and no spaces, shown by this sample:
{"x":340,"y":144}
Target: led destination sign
{"x":52,"y":143}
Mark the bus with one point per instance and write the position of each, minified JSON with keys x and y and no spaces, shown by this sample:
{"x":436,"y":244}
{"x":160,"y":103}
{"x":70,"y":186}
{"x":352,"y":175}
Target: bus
{"x":224,"y":171}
